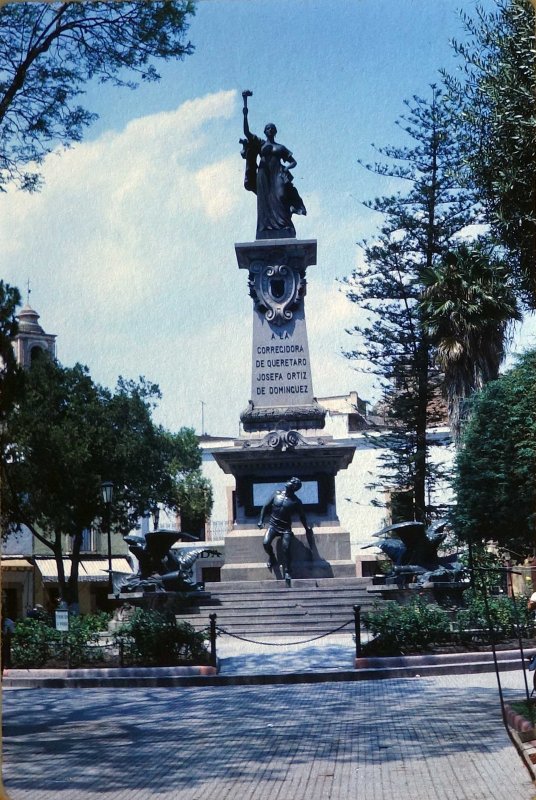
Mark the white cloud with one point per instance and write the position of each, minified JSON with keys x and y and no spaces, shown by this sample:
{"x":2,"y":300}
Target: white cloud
{"x":216,"y":185}
{"x":130,"y":253}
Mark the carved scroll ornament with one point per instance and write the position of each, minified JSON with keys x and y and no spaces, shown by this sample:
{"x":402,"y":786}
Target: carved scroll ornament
{"x":276,"y":290}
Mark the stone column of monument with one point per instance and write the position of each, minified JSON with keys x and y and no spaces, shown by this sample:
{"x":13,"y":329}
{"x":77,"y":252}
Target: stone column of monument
{"x":281,"y":382}
{"x":283,"y":420}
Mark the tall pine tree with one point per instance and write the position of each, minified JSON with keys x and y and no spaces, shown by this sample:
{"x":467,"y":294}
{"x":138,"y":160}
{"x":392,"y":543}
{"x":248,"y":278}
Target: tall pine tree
{"x":420,"y":225}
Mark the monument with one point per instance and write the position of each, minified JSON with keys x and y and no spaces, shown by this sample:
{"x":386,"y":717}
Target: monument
{"x":283,"y":419}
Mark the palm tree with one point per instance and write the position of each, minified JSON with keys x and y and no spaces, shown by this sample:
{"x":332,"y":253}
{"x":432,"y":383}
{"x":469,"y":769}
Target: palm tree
{"x":468,"y":308}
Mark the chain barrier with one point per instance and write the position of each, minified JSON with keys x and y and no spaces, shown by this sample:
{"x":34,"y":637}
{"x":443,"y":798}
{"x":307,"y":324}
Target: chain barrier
{"x":284,"y":644}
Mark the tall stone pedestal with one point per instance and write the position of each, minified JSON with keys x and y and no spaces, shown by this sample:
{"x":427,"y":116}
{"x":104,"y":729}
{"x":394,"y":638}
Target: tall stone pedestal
{"x":282,"y":404}
{"x":281,"y":381}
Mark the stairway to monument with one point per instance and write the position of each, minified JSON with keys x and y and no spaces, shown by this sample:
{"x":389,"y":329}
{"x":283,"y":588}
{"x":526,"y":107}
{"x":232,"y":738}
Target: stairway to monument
{"x":269,"y":608}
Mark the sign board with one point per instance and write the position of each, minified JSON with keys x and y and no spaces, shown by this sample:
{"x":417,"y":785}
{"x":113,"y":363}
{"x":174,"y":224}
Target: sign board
{"x":62,"y":620}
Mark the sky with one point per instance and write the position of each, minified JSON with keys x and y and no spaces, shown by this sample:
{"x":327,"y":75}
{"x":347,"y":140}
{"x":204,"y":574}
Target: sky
{"x":129,"y":247}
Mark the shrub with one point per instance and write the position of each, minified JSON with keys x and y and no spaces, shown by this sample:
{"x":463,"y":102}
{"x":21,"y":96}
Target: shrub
{"x":404,"y":628}
{"x":32,"y":644}
{"x":503,"y":615}
{"x":78,"y":644}
{"x":35,"y":643}
{"x":155,"y":638}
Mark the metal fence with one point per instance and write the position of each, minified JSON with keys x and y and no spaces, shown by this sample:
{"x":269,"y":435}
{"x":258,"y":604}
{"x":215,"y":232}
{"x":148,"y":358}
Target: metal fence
{"x":216,"y":630}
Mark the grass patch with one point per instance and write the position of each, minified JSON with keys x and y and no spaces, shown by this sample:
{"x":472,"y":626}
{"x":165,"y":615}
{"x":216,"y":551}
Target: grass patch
{"x":527,"y":710}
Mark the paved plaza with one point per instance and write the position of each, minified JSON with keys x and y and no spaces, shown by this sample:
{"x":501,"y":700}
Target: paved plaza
{"x":284,"y":655}
{"x":435,"y":738}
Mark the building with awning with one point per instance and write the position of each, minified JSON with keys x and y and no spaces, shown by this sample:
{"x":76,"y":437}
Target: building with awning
{"x":17,"y":564}
{"x":92,"y":580}
{"x":17,"y":585}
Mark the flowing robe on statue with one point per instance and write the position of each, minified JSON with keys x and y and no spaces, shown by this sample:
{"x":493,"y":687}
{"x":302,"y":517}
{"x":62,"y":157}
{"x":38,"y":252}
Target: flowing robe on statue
{"x":277,"y":197}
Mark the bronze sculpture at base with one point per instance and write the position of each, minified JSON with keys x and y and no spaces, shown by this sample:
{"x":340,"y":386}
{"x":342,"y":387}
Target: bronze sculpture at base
{"x":413,"y":549}
{"x":161,"y":569}
{"x":282,"y":506}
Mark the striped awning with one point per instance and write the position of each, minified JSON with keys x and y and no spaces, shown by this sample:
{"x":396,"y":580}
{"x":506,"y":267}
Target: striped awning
{"x":16,"y":564}
{"x":90,"y":570}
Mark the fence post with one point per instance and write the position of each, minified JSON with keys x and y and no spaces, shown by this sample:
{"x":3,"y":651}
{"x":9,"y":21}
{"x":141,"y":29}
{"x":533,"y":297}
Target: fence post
{"x":213,"y":654}
{"x":121,"y":652}
{"x":357,"y":626}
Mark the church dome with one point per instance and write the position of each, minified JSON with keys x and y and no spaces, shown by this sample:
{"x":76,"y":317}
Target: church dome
{"x":27,"y":320}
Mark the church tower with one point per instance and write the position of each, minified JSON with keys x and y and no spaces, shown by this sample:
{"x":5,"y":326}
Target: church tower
{"x":31,"y":340}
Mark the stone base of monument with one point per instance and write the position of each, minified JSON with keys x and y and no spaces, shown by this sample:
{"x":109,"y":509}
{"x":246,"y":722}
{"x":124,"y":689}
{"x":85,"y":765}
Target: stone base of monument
{"x":330,"y":557}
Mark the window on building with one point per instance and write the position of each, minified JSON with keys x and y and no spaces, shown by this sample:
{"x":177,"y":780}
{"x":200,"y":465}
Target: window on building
{"x":370,"y":568}
{"x":35,"y":353}
{"x":89,"y":541}
{"x":262,"y":492}
{"x":355,"y":423}
{"x":211,"y":574}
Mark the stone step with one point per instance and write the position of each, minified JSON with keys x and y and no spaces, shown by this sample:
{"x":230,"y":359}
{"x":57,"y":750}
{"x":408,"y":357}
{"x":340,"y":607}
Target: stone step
{"x":289,"y":598}
{"x":316,"y":570}
{"x":270,"y":608}
{"x":279,"y":588}
{"x":254,"y":616}
{"x":262,"y":606}
{"x":259,"y":603}
{"x":306,"y":582}
{"x":331,"y":585}
{"x":278,"y":628}
{"x":267,"y":608}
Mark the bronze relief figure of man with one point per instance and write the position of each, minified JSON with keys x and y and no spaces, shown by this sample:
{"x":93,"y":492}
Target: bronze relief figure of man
{"x":282,"y":507}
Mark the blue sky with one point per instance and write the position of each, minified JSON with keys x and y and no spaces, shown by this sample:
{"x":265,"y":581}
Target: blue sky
{"x":129,"y":248}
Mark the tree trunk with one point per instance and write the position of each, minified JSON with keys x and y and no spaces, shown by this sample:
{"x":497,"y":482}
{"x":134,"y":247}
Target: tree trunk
{"x":72,"y":583}
{"x":421,"y":420}
{"x":58,"y":556}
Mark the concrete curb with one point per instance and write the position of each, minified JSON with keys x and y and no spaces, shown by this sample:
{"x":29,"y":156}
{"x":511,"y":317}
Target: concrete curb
{"x":113,"y":676}
{"x":366,"y":669}
{"x":523,"y":735}
{"x":466,"y":662}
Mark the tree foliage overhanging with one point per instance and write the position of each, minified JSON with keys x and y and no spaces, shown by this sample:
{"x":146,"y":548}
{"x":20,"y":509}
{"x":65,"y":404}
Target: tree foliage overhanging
{"x":468,"y":307}
{"x":420,"y":225}
{"x":49,"y":51}
{"x":10,"y":374}
{"x":494,"y":102}
{"x":440,"y":309}
{"x":494,"y":480}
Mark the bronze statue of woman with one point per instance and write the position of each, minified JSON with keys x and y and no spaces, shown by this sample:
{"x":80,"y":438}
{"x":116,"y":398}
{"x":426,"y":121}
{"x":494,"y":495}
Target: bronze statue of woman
{"x":270,"y":179}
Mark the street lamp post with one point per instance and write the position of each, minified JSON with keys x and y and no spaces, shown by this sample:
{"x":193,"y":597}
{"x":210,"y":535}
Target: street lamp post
{"x":107,"y":497}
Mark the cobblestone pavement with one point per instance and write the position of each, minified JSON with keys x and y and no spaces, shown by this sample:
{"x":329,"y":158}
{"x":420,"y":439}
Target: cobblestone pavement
{"x":434,"y":738}
{"x":284,"y":655}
